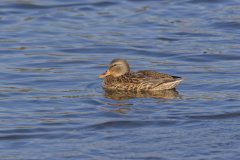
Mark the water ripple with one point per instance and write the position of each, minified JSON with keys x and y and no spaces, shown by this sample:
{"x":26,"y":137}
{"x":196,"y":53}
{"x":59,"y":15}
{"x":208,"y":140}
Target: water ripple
{"x":130,"y":124}
{"x":53,"y":105}
{"x":33,"y":6}
{"x":217,"y":116}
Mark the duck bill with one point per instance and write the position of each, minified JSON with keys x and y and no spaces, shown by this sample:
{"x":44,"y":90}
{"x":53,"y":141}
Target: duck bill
{"x":105,"y":74}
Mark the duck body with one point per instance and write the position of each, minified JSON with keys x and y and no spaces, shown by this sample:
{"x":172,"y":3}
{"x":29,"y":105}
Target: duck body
{"x":141,"y":81}
{"x":144,"y":80}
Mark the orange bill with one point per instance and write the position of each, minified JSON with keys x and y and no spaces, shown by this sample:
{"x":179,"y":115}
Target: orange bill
{"x":105,"y":74}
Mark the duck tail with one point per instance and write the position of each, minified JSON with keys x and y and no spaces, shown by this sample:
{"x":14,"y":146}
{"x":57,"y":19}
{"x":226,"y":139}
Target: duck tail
{"x":169,"y":85}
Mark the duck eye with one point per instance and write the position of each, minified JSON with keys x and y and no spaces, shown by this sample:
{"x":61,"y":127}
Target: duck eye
{"x":113,"y":65}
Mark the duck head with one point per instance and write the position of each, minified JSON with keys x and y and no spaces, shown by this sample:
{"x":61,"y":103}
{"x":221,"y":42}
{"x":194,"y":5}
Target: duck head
{"x":116,"y":68}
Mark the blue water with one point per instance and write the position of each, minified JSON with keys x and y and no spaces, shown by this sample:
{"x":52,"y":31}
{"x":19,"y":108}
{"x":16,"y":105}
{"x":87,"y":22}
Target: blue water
{"x":52,"y":105}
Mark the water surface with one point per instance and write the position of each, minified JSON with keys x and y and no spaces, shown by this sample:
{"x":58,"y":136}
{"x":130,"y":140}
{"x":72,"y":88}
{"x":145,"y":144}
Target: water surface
{"x":52,"y":105}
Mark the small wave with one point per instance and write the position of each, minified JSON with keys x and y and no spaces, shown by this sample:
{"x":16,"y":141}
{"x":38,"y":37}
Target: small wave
{"x":30,"y":136}
{"x":167,"y":39}
{"x":227,"y":115}
{"x":130,"y":124}
{"x":227,"y":25}
{"x":206,"y":1}
{"x":208,"y":57}
{"x":37,"y":6}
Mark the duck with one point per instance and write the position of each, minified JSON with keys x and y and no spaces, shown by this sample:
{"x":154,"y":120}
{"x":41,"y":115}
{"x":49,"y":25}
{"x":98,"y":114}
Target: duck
{"x":119,"y":77}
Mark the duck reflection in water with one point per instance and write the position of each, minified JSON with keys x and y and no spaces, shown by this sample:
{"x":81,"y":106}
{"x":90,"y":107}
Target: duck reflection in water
{"x":121,"y":106}
{"x":124,"y":95}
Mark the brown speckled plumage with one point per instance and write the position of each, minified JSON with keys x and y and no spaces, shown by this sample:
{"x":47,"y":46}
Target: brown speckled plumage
{"x":136,"y":81}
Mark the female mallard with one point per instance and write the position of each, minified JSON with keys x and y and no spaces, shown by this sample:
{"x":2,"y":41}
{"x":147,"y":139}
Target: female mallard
{"x":119,"y":77}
